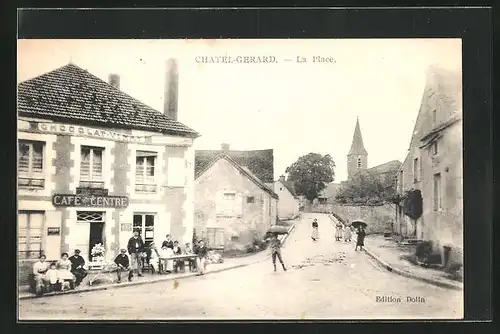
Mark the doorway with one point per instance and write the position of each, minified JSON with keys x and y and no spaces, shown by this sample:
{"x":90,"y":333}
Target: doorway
{"x":96,"y":236}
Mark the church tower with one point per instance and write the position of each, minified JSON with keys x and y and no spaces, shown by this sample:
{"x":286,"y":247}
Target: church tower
{"x":357,"y":158}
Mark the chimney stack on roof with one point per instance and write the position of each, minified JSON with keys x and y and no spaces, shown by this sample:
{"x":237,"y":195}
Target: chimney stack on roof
{"x":114,"y":80}
{"x":225,"y":147}
{"x":282,"y":178}
{"x":171,"y":89}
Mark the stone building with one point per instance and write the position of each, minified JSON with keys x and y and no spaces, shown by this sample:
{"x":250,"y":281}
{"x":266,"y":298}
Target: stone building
{"x":288,"y":204}
{"x":95,"y":164}
{"x":357,"y":158}
{"x":434,"y":166}
{"x":233,"y":206}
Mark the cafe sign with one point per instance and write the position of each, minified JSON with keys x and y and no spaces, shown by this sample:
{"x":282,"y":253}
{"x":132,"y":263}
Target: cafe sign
{"x":65,"y":129}
{"x":92,"y":201}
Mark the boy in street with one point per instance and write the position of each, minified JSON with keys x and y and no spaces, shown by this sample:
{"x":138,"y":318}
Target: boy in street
{"x":276,"y":251}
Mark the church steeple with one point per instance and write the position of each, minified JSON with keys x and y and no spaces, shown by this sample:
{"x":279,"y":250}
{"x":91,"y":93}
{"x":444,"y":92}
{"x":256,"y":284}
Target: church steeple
{"x":357,"y":158}
{"x":357,"y":147}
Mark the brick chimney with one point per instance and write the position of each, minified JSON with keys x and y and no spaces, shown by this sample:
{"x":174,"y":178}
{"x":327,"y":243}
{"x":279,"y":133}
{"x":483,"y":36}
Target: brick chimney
{"x":171,"y":89}
{"x":225,"y":148}
{"x":282,"y":178}
{"x":114,"y":80}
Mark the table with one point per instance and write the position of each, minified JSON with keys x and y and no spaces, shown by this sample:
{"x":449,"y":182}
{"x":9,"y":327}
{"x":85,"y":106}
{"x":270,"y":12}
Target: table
{"x":178,"y":257}
{"x":101,"y":270}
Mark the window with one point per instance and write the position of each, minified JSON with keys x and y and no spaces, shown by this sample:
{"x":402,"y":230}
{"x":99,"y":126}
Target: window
{"x":250,"y":199}
{"x":322,"y":200}
{"x":235,"y":238}
{"x":145,"y":225}
{"x":30,"y":164}
{"x":145,"y":172}
{"x":215,"y":237}
{"x":437,"y":192}
{"x":91,"y":167}
{"x":359,"y":162}
{"x":415,"y":170}
{"x":30,"y":229}
{"x":229,"y":196}
{"x":401,"y":181}
{"x":435,"y":147}
{"x":89,"y":217}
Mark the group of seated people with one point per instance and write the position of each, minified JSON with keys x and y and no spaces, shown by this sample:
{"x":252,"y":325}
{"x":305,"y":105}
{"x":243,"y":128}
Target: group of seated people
{"x":66,"y":273}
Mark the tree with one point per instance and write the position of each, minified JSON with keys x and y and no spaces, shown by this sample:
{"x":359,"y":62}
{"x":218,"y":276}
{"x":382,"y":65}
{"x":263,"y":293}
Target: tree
{"x":311,"y":173}
{"x":367,"y":188}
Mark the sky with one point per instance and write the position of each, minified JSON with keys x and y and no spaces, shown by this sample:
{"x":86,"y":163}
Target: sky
{"x":291,"y":107}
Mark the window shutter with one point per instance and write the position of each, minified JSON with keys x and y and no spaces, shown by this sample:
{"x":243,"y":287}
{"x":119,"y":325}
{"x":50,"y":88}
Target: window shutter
{"x":97,"y":164}
{"x":37,"y":164}
{"x":85,"y":164}
{"x":24,"y":157}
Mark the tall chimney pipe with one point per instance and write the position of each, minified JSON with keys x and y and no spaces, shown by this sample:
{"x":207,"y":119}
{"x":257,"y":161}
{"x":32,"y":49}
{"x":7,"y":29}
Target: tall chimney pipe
{"x":171,"y":89}
{"x":114,"y":80}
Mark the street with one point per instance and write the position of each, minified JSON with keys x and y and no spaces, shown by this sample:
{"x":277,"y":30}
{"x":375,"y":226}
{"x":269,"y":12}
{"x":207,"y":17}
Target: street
{"x":325,"y":280}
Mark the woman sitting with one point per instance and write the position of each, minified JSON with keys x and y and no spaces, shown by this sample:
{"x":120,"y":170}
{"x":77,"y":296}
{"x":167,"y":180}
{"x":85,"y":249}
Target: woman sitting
{"x":66,"y":278}
{"x":178,"y":264}
{"x":168,"y":265}
{"x":154,"y":258}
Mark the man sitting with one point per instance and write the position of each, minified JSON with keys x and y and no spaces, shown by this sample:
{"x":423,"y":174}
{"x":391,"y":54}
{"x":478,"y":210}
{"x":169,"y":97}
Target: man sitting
{"x":123,"y":264}
{"x":40,"y":275}
{"x":77,"y":263}
{"x":178,"y":264}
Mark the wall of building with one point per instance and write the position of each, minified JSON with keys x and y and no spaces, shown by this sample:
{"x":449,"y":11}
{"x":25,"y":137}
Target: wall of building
{"x":240,"y":220}
{"x":378,"y":218}
{"x":171,"y":204}
{"x":288,"y":205}
{"x":352,"y":164}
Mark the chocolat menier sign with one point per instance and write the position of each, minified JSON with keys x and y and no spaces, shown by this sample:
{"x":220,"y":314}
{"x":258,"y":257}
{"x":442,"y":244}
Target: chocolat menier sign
{"x":86,"y":200}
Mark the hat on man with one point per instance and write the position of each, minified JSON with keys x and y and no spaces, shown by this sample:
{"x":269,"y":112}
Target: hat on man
{"x":77,"y":251}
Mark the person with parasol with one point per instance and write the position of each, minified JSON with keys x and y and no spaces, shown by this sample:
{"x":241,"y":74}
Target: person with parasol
{"x":315,"y":232}
{"x":276,"y":245}
{"x":360,"y":241}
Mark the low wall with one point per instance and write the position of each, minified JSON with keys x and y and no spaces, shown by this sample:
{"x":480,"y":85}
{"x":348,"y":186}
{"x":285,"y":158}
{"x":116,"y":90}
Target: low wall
{"x":378,"y":218}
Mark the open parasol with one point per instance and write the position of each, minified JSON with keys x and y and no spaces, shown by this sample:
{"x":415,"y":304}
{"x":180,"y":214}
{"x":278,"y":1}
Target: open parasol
{"x":278,"y":230}
{"x":358,"y":223}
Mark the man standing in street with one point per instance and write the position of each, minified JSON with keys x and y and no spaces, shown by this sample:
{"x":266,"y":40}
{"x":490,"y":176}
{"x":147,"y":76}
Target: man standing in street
{"x":201,"y":260}
{"x":77,"y":263}
{"x":122,"y":262}
{"x":135,"y":247}
{"x":276,"y":251}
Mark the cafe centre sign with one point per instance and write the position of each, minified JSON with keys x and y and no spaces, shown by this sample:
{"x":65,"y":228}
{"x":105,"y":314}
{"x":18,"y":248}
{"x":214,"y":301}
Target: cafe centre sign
{"x":91,"y":201}
{"x":76,"y":130}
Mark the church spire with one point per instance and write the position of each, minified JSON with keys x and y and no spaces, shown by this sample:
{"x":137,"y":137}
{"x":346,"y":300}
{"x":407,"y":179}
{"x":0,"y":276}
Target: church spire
{"x":357,"y":147}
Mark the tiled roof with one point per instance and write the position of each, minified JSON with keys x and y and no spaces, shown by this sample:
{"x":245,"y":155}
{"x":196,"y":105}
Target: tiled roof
{"x":245,"y":171}
{"x":291,"y":187}
{"x":259,"y":162}
{"x":388,"y":167}
{"x":72,"y":94}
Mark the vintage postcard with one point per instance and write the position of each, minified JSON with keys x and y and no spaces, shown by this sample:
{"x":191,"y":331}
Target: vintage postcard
{"x":240,"y":179}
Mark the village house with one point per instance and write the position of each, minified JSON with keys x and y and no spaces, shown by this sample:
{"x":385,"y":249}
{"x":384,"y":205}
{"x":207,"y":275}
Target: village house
{"x":233,"y":206}
{"x":288,"y":204}
{"x":433,"y":166}
{"x":95,"y":164}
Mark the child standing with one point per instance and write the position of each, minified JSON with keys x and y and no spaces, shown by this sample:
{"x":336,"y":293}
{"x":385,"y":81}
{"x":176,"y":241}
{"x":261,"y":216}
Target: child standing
{"x":53,"y":276}
{"x":276,"y":251}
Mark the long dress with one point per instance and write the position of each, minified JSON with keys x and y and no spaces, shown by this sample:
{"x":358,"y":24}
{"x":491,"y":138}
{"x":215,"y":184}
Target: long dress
{"x":315,"y":231}
{"x":338,"y":233}
{"x":154,"y":259}
{"x":64,"y":270}
{"x":347,"y":233}
{"x":168,"y":264}
{"x":361,"y":238}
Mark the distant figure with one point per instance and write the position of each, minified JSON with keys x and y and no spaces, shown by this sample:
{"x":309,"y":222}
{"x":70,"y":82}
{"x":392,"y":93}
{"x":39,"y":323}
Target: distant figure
{"x":77,"y":263}
{"x":315,"y":232}
{"x":338,"y":232}
{"x":347,"y":234}
{"x":361,"y":239}
{"x":40,"y":269}
{"x":53,"y":275}
{"x":64,"y":270}
{"x":154,"y":258}
{"x":168,"y":242}
{"x":201,"y":261}
{"x":276,"y":251}
{"x":135,"y":247}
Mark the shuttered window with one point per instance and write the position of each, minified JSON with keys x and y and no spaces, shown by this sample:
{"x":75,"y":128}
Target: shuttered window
{"x":215,"y":237}
{"x":145,"y":171}
{"x":30,"y":164}
{"x":91,"y":167}
{"x":29,"y":232}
